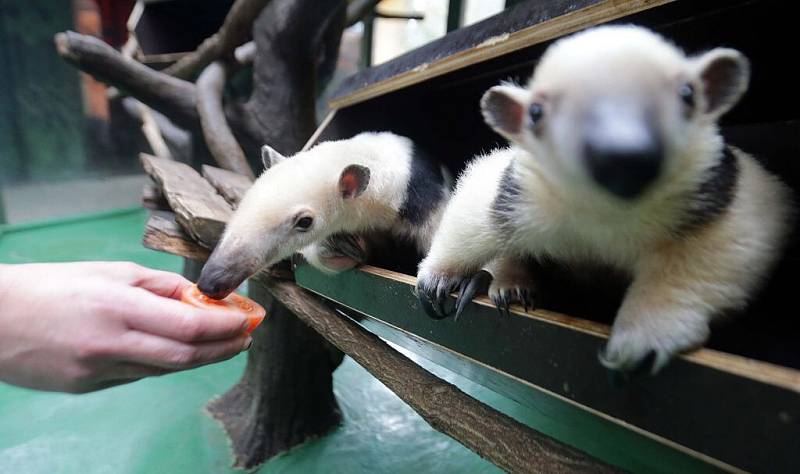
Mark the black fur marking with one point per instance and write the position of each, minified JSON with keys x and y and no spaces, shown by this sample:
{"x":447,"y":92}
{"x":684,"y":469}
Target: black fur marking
{"x":506,"y":202}
{"x":424,"y":190}
{"x":714,"y":195}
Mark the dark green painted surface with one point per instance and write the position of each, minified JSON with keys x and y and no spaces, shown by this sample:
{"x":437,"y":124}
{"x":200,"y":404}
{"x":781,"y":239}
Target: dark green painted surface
{"x":158,"y":425}
{"x":41,"y":114}
{"x":562,"y":362}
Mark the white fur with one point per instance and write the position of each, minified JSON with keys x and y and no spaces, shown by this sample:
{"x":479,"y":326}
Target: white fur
{"x":308,"y":183}
{"x":679,"y":283}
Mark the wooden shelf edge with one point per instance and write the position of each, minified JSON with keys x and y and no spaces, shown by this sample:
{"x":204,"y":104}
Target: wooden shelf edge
{"x":655,"y":437}
{"x":753,"y":369}
{"x":500,"y":45}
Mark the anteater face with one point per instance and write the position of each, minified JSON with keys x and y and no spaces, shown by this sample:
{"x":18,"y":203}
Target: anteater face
{"x":294,"y":203}
{"x":619,"y":109}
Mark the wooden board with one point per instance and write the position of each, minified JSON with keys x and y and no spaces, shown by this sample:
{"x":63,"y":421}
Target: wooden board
{"x":163,"y":233}
{"x":200,"y":211}
{"x":231,"y":186}
{"x":723,"y":409}
{"x":524,"y":25}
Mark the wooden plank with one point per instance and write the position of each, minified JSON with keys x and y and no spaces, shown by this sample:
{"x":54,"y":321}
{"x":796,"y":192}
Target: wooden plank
{"x":231,"y":186}
{"x":690,"y":405}
{"x":495,"y":436}
{"x":153,"y":199}
{"x":163,"y":233}
{"x":585,"y":429}
{"x":198,"y":208}
{"x":747,"y":368}
{"x":526,"y":25}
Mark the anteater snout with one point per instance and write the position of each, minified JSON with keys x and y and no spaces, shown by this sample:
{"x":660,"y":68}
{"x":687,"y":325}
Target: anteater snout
{"x":219,"y":279}
{"x":623,"y":155}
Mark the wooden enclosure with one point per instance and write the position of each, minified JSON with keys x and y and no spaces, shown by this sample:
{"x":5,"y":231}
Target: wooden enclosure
{"x":734,"y":405}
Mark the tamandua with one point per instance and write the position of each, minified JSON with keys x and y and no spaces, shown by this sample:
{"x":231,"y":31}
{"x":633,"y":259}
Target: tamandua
{"x":320,"y":200}
{"x":616,"y":158}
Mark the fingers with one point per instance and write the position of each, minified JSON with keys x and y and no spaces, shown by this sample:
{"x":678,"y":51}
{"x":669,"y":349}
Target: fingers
{"x":161,"y":353}
{"x":166,"y":284}
{"x":172,"y":319}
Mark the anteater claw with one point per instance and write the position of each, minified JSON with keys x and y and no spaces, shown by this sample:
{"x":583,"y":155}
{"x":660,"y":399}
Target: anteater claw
{"x":504,"y":298}
{"x":469,"y":287}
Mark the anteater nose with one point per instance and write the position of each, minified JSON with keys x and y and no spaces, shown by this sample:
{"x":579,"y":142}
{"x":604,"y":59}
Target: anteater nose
{"x":622,"y":147}
{"x":624,"y":165}
{"x":624,"y":171}
{"x":218,"y":282}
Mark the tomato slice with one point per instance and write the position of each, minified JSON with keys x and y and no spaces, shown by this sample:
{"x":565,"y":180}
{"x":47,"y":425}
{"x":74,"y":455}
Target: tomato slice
{"x":254,"y":311}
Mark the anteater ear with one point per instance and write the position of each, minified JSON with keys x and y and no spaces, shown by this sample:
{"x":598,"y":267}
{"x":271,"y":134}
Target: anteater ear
{"x":270,"y":157}
{"x":353,"y":181}
{"x":503,"y":108}
{"x":725,"y":74}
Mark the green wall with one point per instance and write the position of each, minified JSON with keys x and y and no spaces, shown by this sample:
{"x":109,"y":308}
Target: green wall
{"x":41,"y":114}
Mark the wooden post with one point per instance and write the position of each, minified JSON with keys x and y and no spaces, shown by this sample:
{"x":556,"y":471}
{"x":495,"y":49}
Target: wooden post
{"x":455,"y":15}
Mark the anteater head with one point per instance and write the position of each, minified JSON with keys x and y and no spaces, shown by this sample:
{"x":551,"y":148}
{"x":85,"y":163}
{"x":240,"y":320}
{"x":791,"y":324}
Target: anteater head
{"x":619,"y":108}
{"x":294,"y":203}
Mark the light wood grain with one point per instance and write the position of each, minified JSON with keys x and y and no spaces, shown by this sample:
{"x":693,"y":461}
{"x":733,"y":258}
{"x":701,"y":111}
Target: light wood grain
{"x":163,"y":233}
{"x":200,"y":211}
{"x":231,"y":186}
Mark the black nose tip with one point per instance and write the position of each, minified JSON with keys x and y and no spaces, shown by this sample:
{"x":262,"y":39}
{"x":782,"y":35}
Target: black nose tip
{"x":216,"y":282}
{"x":625,"y":170}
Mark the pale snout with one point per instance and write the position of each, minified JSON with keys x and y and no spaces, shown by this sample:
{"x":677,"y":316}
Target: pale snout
{"x":622,"y":150}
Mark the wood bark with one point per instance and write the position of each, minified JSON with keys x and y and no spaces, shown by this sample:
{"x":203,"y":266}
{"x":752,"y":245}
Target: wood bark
{"x":234,"y":32}
{"x":279,"y":403}
{"x":163,"y":233}
{"x":285,"y":396}
{"x":174,"y":97}
{"x":218,"y":135}
{"x":197,"y":206}
{"x":231,"y":186}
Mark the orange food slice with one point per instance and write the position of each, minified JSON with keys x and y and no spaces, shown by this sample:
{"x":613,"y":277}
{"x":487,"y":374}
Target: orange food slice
{"x":235,"y":302}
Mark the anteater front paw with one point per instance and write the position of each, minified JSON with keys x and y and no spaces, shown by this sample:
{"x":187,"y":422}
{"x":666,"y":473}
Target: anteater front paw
{"x":433,"y":289}
{"x":647,"y":344}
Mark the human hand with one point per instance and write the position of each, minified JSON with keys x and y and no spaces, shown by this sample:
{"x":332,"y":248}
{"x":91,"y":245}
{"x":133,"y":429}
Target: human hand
{"x":79,"y":327}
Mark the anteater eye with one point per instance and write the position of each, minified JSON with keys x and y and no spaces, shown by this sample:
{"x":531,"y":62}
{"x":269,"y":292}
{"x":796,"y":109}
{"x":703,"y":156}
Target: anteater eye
{"x":535,"y":111}
{"x":686,"y":92}
{"x":304,"y":223}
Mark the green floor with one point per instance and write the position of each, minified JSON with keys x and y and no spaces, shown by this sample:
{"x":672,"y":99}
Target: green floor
{"x":158,"y":425}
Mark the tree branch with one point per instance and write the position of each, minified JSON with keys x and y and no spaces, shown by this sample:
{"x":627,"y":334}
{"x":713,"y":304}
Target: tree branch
{"x":217,"y":133}
{"x":173,"y":97}
{"x":234,"y":32}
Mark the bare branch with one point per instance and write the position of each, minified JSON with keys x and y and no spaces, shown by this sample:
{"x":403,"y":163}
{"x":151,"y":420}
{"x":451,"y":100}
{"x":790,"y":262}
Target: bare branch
{"x":217,"y":133}
{"x":234,"y":32}
{"x":173,"y":97}
{"x":358,"y":9}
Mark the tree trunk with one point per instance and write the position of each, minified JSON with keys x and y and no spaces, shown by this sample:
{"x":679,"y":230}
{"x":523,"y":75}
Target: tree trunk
{"x":285,"y":396}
